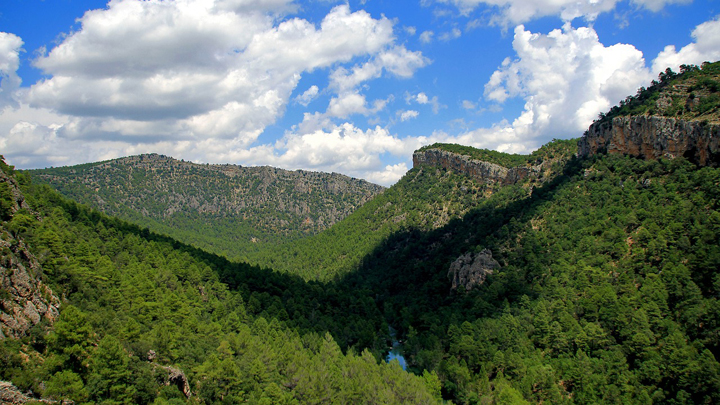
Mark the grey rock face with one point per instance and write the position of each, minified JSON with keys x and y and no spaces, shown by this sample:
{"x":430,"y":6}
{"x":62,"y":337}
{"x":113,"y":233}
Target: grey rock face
{"x":652,"y":137}
{"x":25,"y":299}
{"x":471,"y":269}
{"x":478,"y":169}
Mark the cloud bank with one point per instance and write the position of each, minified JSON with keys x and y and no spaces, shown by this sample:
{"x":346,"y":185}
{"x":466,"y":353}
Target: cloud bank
{"x":204,"y":79}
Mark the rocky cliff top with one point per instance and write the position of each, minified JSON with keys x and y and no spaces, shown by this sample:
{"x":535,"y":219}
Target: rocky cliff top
{"x":496,"y":168}
{"x":678,"y":116}
{"x":653,"y":137}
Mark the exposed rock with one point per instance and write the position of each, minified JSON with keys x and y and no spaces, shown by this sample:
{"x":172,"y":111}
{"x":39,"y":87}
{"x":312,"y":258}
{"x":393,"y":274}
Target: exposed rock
{"x":652,"y":137}
{"x":24,"y":299}
{"x":481,"y":170}
{"x":471,"y":269}
{"x":176,"y":377}
{"x":10,"y":394}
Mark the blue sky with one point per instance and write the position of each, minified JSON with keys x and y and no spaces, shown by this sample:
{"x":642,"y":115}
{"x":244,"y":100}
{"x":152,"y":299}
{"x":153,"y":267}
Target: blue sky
{"x":351,"y":87}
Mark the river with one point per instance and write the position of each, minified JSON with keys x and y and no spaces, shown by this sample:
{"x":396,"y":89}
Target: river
{"x":396,"y":351}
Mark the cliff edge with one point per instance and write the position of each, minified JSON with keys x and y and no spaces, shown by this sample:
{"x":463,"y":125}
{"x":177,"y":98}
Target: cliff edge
{"x":653,"y":137}
{"x":24,"y":299}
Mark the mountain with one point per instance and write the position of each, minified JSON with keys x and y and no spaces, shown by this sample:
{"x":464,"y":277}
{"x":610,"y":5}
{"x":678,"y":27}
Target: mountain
{"x":591,"y":279}
{"x":225,"y":209}
{"x":147,"y":319}
{"x":428,"y":197}
{"x":585,"y":272}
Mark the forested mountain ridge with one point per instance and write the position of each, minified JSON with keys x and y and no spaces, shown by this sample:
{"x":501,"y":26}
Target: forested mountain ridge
{"x":225,"y":209}
{"x":679,"y":115}
{"x":428,"y":197}
{"x":599,"y":283}
{"x":147,"y":319}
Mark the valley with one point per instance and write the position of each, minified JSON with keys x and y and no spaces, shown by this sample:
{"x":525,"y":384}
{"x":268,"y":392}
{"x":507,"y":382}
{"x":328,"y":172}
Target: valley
{"x":585,"y":272}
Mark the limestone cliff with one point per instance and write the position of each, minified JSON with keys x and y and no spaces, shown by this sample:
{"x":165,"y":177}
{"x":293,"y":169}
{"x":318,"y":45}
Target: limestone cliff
{"x":24,"y":299}
{"x":471,"y":269}
{"x":652,"y":137}
{"x":478,"y":169}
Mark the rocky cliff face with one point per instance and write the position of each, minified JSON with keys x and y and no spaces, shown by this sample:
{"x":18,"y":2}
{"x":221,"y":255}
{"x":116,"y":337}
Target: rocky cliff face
{"x":478,"y":169}
{"x":471,"y":269}
{"x":652,"y":137}
{"x":24,"y":299}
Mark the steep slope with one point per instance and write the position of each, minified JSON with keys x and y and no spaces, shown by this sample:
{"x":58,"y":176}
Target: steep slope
{"x":428,"y":197}
{"x":147,"y":319}
{"x":599,"y":287}
{"x":25,"y":300}
{"x":225,"y":209}
{"x":679,"y":115}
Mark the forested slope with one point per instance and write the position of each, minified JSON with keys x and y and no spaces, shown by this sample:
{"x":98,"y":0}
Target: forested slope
{"x":141,"y":311}
{"x":225,"y":209}
{"x":426,"y":198}
{"x":605,"y":290}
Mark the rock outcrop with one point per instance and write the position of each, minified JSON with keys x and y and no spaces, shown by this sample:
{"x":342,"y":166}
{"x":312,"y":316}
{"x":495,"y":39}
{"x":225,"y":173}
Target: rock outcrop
{"x":10,"y":394}
{"x":471,"y":269}
{"x":478,"y":169}
{"x":652,"y":137}
{"x":175,"y":377}
{"x":24,"y":299}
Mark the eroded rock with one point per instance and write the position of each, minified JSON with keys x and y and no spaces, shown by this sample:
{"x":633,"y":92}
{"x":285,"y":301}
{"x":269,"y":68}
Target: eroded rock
{"x":478,"y":169}
{"x":471,"y":269}
{"x":652,"y":137}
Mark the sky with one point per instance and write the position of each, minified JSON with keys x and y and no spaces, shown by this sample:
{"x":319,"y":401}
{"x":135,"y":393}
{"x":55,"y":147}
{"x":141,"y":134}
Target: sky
{"x":349,"y":87}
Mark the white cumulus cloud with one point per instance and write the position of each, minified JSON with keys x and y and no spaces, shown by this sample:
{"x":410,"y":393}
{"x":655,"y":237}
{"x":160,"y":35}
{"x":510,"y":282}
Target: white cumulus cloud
{"x":309,"y":95}
{"x":407,"y":114}
{"x":566,"y":78}
{"x":198,"y":79}
{"x":510,"y":12}
{"x":705,"y":48}
{"x":10,"y":47}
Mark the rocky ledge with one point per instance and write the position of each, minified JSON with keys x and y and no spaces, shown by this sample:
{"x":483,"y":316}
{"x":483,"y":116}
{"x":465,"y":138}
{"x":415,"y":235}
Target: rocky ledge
{"x":478,"y":169}
{"x":653,"y":137}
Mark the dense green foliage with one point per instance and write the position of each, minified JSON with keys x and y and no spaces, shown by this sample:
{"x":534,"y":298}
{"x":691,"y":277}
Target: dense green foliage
{"x":424,"y":199}
{"x":238,"y":332}
{"x":691,"y":94}
{"x":224,"y":209}
{"x":608,"y":290}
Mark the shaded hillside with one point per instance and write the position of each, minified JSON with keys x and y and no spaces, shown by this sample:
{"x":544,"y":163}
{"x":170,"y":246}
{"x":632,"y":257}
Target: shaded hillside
{"x":426,"y":198}
{"x":225,"y":209}
{"x":606,"y":289}
{"x":146,"y":319}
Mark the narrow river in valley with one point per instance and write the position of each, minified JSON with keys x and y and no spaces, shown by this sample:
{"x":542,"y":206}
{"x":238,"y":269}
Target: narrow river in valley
{"x":396,"y":351}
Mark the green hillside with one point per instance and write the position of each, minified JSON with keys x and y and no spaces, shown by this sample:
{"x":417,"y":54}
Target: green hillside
{"x":586,"y":280}
{"x":692,"y":94}
{"x":137,"y":305}
{"x":426,"y":198}
{"x":225,"y":209}
{"x":607,"y":290}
